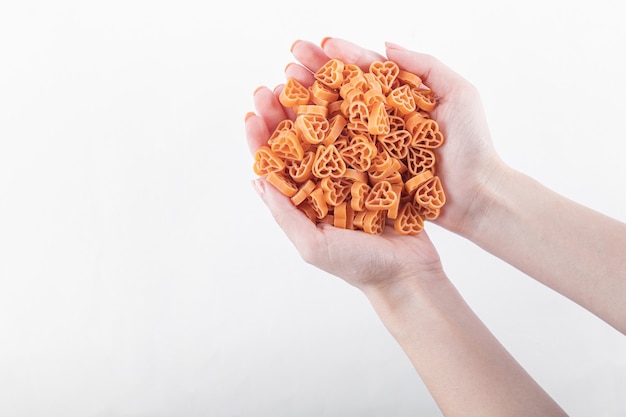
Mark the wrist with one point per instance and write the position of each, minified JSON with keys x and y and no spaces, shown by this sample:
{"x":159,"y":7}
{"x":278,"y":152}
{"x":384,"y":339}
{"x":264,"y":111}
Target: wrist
{"x":485,"y":198}
{"x":407,"y":295}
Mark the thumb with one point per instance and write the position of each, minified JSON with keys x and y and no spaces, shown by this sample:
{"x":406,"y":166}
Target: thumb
{"x":434,"y":74}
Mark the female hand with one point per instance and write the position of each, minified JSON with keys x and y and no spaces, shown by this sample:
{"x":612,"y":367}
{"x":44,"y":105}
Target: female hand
{"x":466,"y":161}
{"x":363,"y":260}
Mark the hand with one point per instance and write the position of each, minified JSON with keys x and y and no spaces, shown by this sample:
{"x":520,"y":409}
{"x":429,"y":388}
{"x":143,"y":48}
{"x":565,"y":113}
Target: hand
{"x":363,"y":260}
{"x":467,"y":160}
{"x":366,"y":261}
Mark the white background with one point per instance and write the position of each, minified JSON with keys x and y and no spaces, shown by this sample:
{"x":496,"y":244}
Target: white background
{"x":140,"y":275}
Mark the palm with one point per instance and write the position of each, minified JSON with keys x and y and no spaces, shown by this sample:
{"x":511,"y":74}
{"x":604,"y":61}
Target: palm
{"x":369,"y":260}
{"x":362,"y":259}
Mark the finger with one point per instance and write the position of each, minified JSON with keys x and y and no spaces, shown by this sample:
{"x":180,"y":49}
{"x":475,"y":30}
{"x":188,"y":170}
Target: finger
{"x":350,"y":53}
{"x":257,"y":133}
{"x":433,"y":72}
{"x":268,"y":107}
{"x":299,"y":73}
{"x":300,"y":230}
{"x":310,"y":55}
{"x":289,"y":112}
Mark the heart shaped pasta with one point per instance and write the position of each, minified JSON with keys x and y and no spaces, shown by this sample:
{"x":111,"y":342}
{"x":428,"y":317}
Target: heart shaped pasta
{"x":419,"y":160}
{"x":287,"y":145}
{"x":409,"y":221}
{"x":386,"y":73}
{"x":381,"y":197}
{"x":294,"y":94}
{"x":283,"y":182}
{"x":336,"y":190}
{"x":430,"y":194}
{"x":402,"y":99}
{"x":359,"y":150}
{"x":358,"y":194}
{"x":358,"y":116}
{"x":378,"y":119}
{"x":312,"y":128}
{"x":425,"y":99}
{"x":359,"y":153}
{"x":302,"y":170}
{"x":328,"y":162}
{"x":397,"y":143}
{"x":331,"y":73}
{"x":266,"y":161}
{"x":426,"y":134}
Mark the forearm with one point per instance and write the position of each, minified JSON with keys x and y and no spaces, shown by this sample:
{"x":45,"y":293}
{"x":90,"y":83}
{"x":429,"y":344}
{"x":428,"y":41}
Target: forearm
{"x":465,"y":368}
{"x":570,"y":248}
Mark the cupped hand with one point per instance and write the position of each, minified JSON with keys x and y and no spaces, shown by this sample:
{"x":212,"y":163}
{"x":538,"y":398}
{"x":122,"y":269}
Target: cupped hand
{"x":467,"y":160}
{"x":364,"y":260}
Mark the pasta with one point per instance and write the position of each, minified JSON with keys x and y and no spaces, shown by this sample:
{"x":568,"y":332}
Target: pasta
{"x":361,"y":150}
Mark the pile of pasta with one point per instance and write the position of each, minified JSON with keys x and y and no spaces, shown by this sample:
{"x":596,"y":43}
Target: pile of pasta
{"x":360,"y":152}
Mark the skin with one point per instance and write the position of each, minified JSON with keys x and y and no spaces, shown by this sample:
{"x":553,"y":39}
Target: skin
{"x":578,"y":253}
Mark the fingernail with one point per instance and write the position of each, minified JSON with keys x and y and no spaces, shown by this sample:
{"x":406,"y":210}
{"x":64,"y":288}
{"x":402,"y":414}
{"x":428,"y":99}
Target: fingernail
{"x":287,"y":66}
{"x":326,"y":39}
{"x":257,"y":89}
{"x":259,"y":187}
{"x":293,"y":45}
{"x":248,"y":115}
{"x":395,"y":46}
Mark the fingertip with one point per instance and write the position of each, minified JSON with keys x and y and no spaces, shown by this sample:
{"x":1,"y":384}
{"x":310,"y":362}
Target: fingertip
{"x":300,"y":74}
{"x":249,"y":115}
{"x":293,"y":45}
{"x":394,"y":46}
{"x":324,"y":40}
{"x":259,"y":88}
{"x":309,"y":54}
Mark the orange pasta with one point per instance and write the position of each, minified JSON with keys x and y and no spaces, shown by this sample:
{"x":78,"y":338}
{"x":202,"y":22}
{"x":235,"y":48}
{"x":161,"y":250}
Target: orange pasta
{"x":360,"y":149}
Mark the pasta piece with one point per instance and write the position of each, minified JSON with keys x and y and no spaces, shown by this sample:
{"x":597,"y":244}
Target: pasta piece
{"x":294,"y":94}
